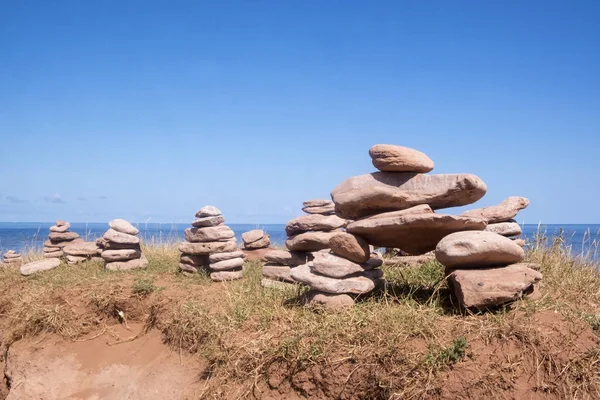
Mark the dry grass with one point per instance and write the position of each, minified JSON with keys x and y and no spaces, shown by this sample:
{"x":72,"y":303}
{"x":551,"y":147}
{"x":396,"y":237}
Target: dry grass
{"x":408,"y":341}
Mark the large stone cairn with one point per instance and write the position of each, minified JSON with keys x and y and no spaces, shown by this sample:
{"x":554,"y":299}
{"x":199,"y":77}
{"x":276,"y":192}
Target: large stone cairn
{"x":211,"y":245}
{"x":59,"y":238}
{"x":256,"y":239}
{"x":307,"y":235}
{"x":12,"y":258}
{"x":120,"y":247}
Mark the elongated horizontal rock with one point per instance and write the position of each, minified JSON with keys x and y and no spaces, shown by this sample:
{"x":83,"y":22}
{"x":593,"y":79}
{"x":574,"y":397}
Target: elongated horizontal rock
{"x":196,"y":261}
{"x":62,"y":236}
{"x":502,"y":212}
{"x":120,"y":255}
{"x":323,"y":210}
{"x":391,"y":158}
{"x":225,"y":265}
{"x":314,"y":222}
{"x":120,"y":225}
{"x":317,"y":203}
{"x":189,"y":268}
{"x":208,"y":221}
{"x":361,"y":283}
{"x":333,"y":266}
{"x":60,"y":229}
{"x":279,"y":272}
{"x":411,"y":232}
{"x":223,"y":276}
{"x":213,"y":258}
{"x":505,"y":228}
{"x":208,"y":211}
{"x":365,"y":195}
{"x":279,"y":285}
{"x":54,"y":254}
{"x":253,"y":235}
{"x":210,"y":234}
{"x":76,"y":259}
{"x":409,"y":261}
{"x":489,"y":287}
{"x":328,"y":301}
{"x":207,"y":247}
{"x":120,"y":238}
{"x":39,"y":266}
{"x":136,"y":263}
{"x":288,"y":258}
{"x":81,"y":249}
{"x":477,"y":249}
{"x":309,"y":241}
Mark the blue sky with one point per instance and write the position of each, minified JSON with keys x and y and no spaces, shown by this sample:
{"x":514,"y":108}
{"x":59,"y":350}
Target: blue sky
{"x":152,"y":109}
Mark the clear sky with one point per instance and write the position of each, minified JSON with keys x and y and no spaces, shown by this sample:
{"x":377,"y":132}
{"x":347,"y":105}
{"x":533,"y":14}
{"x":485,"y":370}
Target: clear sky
{"x":152,"y":109}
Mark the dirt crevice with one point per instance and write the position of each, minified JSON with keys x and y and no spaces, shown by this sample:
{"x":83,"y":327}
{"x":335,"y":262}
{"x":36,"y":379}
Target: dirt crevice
{"x":6,"y":378}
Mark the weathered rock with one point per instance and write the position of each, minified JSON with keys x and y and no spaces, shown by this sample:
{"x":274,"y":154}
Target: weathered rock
{"x":11,"y":254}
{"x":379,"y":192}
{"x":314,"y":222}
{"x":213,"y":258}
{"x":502,"y":212}
{"x":76,"y":259}
{"x":253,"y":235}
{"x":511,"y":228}
{"x":120,"y":255}
{"x":519,"y":242}
{"x":208,"y":211}
{"x":288,"y":258}
{"x":222,"y":276}
{"x":62,"y":236}
{"x":317,"y":203}
{"x":323,"y":210}
{"x":489,"y":287}
{"x":61,"y":244}
{"x":411,"y":231}
{"x":120,"y":225}
{"x":54,"y":254}
{"x":409,"y":261}
{"x":309,"y":241}
{"x":203,"y":248}
{"x":136,"y":263}
{"x":360,"y":283}
{"x":120,"y":238}
{"x":196,"y":261}
{"x":333,"y":266}
{"x":220,"y":233}
{"x":327,"y":301}
{"x":351,"y":247}
{"x":477,"y":250}
{"x":208,"y":221}
{"x":107,"y":245}
{"x":226,"y":265}
{"x":39,"y":266}
{"x":280,"y":285}
{"x":275,"y":271}
{"x":81,"y":249}
{"x":261,"y":243}
{"x":189,"y":268}
{"x":60,"y":229}
{"x":60,"y":222}
{"x":391,"y":158}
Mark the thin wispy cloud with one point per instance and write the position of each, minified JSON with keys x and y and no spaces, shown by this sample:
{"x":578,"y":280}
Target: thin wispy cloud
{"x":15,"y":200}
{"x":82,"y":199}
{"x":102,"y":198}
{"x":54,"y":198}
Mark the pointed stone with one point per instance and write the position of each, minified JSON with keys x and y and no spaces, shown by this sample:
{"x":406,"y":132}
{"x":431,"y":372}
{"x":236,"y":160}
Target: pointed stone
{"x":502,"y":212}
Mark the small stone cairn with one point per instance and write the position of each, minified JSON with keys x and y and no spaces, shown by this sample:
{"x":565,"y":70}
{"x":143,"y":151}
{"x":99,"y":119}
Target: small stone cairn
{"x":256,"y":239}
{"x":211,"y":245}
{"x":394,"y":208}
{"x":120,"y":247}
{"x":59,"y":238}
{"x":307,"y":235}
{"x":12,"y":258}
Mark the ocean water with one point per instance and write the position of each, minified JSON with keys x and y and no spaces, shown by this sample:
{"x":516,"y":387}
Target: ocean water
{"x":20,"y":236}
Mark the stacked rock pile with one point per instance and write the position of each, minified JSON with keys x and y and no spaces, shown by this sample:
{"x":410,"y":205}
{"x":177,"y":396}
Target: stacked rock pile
{"x":59,"y":238}
{"x":500,"y":217}
{"x":307,"y":235}
{"x":120,"y":247}
{"x":211,"y":245}
{"x":485,"y":269}
{"x":81,"y":252}
{"x":256,"y":239}
{"x":336,"y":277}
{"x":12,"y":258}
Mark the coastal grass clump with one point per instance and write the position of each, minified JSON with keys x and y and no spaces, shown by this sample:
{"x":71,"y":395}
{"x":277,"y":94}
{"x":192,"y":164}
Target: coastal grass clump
{"x":406,"y":340}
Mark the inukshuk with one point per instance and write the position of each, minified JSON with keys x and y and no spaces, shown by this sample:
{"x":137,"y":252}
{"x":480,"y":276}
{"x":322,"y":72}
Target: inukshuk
{"x":211,"y":245}
{"x":60,"y":237}
{"x":307,"y":235}
{"x":12,"y":258}
{"x":120,"y":246}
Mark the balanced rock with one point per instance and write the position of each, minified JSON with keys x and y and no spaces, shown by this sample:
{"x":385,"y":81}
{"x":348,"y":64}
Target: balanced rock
{"x":314,"y":222}
{"x":289,"y":258}
{"x":310,"y":241}
{"x":277,"y":272}
{"x":60,"y":229}
{"x":365,"y":195}
{"x":114,"y":236}
{"x":351,"y":247}
{"x":39,"y":266}
{"x":391,"y":158}
{"x":256,"y":239}
{"x":221,"y":233}
{"x":230,"y":275}
{"x":226,"y":265}
{"x":135,"y":263}
{"x":360,"y":283}
{"x":322,"y":207}
{"x":208,"y":221}
{"x":62,"y":236}
{"x":216,"y":257}
{"x":477,"y":250}
{"x":502,"y":212}
{"x":121,"y":247}
{"x":489,"y":287}
{"x":416,"y":230}
{"x":206,"y":248}
{"x":121,"y":255}
{"x":86,"y":249}
{"x":120,"y":225}
{"x":333,"y":266}
{"x":507,"y":229}
{"x":208,"y":211}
